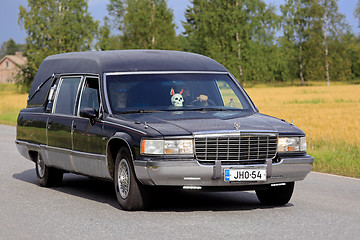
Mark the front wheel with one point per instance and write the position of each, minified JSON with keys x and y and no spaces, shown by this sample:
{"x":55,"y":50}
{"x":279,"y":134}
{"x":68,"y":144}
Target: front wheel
{"x":130,"y":193}
{"x":276,"y":195}
{"x":47,"y":176}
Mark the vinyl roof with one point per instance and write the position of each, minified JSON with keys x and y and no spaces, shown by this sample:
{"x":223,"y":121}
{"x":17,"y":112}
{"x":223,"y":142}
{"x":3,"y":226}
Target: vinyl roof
{"x":99,"y":62}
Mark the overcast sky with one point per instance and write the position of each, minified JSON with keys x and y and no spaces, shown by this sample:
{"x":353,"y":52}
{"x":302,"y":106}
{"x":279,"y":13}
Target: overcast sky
{"x":9,"y":27}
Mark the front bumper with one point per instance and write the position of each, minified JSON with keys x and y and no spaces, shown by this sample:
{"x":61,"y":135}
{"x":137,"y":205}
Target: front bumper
{"x":189,"y":173}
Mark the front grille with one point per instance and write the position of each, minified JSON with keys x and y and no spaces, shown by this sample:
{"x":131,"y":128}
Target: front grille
{"x":235,"y":149}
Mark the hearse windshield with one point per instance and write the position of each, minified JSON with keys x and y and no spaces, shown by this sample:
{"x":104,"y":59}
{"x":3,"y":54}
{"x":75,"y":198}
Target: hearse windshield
{"x":174,"y":92}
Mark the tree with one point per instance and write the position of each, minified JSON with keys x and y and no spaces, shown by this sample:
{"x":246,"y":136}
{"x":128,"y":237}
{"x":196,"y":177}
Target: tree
{"x":328,"y":26}
{"x":295,"y":21}
{"x":10,"y":47}
{"x":315,"y":28}
{"x":54,"y":26}
{"x":146,"y":24}
{"x":238,"y":34}
{"x":357,"y":12}
{"x":103,"y":41}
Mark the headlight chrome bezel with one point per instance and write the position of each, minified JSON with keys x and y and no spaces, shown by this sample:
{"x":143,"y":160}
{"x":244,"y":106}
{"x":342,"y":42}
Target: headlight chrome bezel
{"x":291,"y":144}
{"x":167,"y":147}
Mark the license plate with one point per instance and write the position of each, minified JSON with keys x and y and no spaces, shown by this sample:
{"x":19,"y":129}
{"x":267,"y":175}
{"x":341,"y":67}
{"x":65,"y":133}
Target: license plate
{"x":245,"y":175}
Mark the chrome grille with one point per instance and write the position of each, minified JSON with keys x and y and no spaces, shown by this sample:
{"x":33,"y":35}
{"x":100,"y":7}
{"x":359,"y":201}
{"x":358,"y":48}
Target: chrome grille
{"x":235,"y":149}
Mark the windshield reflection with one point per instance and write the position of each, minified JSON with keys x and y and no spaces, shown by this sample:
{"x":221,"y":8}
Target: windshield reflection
{"x":142,"y":93}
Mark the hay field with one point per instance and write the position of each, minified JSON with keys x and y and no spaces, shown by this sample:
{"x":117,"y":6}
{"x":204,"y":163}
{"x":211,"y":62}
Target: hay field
{"x":330,"y":117}
{"x":11,"y":102}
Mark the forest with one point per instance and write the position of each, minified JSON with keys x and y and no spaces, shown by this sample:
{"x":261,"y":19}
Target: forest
{"x":305,"y":41}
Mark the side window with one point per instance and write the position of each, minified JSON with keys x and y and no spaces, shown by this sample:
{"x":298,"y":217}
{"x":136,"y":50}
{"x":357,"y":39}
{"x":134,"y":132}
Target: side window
{"x":229,"y":97}
{"x":90,"y":94}
{"x":66,"y":97}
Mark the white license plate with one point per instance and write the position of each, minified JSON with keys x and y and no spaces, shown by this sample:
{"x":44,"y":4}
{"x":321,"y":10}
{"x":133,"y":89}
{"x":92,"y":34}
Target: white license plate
{"x":244,"y":175}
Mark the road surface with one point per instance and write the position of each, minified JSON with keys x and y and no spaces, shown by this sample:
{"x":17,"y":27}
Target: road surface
{"x":322,"y":207}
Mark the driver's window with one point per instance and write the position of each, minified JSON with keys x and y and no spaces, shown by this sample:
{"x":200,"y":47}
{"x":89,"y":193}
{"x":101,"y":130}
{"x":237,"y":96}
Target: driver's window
{"x":90,"y":94}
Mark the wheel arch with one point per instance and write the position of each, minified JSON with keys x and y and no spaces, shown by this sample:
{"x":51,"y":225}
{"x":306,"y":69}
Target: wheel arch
{"x":113,"y":146}
{"x":33,"y":155}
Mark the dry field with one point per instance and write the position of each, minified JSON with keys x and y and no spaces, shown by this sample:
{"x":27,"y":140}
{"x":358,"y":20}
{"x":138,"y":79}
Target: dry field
{"x":330,"y":117}
{"x":324,"y":113}
{"x":11,"y":102}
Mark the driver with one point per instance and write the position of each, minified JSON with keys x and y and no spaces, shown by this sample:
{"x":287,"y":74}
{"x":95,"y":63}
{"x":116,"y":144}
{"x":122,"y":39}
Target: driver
{"x":189,"y":100}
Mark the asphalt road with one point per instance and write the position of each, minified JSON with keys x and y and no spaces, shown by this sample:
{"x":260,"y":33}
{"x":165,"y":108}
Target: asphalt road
{"x":322,"y":207}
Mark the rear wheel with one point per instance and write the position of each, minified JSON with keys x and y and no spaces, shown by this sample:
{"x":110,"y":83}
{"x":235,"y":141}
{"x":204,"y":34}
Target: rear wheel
{"x":130,"y":193}
{"x":276,"y":195}
{"x":47,"y":176}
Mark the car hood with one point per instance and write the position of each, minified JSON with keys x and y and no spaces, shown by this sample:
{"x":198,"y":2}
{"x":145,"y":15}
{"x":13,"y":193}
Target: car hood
{"x":191,"y":122}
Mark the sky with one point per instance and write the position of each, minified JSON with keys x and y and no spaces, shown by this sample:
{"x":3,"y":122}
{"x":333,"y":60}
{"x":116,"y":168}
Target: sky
{"x":9,"y":27}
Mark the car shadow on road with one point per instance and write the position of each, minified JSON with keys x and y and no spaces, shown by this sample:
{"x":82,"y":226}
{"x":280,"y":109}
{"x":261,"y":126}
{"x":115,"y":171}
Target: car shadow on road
{"x":162,"y":200}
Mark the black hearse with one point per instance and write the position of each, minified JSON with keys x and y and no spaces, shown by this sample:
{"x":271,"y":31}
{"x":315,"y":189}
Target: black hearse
{"x":144,"y":118}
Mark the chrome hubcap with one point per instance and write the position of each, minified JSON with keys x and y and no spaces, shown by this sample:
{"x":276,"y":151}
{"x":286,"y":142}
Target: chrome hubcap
{"x":40,"y":166}
{"x":123,"y":179}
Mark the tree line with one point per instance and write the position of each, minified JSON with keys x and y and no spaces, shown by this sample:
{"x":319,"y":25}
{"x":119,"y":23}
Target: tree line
{"x":307,"y":40}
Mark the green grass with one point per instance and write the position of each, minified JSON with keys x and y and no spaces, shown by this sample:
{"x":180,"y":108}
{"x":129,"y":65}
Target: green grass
{"x":311,"y":101}
{"x":341,"y":100}
{"x":9,"y":118}
{"x":336,"y":158}
{"x":8,"y":87}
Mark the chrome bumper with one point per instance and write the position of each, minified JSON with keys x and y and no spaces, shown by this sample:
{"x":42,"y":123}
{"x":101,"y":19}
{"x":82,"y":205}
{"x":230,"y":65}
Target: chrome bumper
{"x":190,"y":173}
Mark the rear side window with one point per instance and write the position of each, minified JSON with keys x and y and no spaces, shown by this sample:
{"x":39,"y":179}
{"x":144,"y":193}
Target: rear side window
{"x":66,"y":97}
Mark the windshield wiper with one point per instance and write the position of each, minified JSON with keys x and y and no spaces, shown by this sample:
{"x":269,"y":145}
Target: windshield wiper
{"x":139,"y":111}
{"x":209,"y":109}
{"x":203,"y":109}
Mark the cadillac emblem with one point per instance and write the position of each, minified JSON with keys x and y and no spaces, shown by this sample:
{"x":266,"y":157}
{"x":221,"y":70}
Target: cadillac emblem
{"x":237,"y":125}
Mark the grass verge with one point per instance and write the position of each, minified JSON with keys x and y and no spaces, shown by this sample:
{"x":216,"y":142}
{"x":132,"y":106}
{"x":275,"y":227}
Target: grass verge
{"x":338,"y":158}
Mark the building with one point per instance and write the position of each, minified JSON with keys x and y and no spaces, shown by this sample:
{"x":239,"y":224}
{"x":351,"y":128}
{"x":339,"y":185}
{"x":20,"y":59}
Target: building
{"x":10,"y":66}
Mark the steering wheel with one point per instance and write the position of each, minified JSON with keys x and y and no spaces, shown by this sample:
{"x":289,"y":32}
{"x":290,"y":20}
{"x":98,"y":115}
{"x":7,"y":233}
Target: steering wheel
{"x":208,"y":102}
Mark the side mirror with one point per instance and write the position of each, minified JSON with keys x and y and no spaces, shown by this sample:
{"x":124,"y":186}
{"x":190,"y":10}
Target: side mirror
{"x":90,"y":113}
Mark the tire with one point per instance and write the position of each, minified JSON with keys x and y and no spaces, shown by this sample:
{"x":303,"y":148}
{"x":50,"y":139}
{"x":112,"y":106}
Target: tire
{"x":277,"y":195}
{"x":47,"y":176}
{"x":130,"y":193}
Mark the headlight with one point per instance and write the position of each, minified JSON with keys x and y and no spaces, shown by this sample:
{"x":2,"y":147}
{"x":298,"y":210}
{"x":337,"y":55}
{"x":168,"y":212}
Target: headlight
{"x":183,"y":146}
{"x":292,"y":144}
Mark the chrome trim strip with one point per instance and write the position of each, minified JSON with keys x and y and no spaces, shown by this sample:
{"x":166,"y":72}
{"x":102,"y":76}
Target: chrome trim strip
{"x":106,"y":97}
{"x":34,"y":145}
{"x":90,"y":155}
{"x":60,"y":149}
{"x":233,"y":133}
{"x":72,"y":152}
{"x":75,"y":74}
{"x":56,"y":115}
{"x":123,"y":126}
{"x":164,"y":72}
{"x":34,"y":113}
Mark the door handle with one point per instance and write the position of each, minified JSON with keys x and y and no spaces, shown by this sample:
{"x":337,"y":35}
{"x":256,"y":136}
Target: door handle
{"x":73,"y":127}
{"x":49,"y":123}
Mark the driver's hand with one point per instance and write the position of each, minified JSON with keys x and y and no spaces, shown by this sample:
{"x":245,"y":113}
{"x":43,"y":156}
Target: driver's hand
{"x":203,"y":98}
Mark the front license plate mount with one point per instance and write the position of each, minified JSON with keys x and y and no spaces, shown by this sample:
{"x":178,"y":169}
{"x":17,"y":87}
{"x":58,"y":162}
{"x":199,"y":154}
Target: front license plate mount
{"x":244,"y":175}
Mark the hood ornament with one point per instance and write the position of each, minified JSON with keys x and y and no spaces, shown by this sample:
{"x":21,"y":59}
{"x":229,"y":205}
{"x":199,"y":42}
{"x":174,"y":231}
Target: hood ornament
{"x":237,"y":126}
